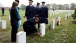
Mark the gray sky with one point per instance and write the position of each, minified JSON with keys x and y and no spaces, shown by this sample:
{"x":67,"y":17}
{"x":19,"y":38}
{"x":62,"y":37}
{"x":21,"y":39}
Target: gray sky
{"x":8,"y":3}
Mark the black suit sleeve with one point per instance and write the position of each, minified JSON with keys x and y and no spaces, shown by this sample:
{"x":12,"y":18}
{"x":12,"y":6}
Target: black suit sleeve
{"x":32,"y":25}
{"x":34,"y":11}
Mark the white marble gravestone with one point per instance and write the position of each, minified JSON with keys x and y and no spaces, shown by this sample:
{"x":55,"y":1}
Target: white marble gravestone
{"x":58,"y":19}
{"x":42,"y":29}
{"x":21,"y":37}
{"x":53,"y":24}
{"x":69,"y":15}
{"x":3,"y":24}
{"x":0,"y":19}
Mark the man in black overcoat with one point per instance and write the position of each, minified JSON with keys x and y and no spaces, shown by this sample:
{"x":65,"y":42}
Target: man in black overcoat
{"x":38,"y":13}
{"x":29,"y":26}
{"x":3,"y":11}
{"x":44,"y":14}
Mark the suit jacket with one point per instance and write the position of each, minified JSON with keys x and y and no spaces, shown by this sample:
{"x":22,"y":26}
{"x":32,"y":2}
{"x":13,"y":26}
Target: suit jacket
{"x":38,"y":11}
{"x":29,"y":25}
{"x":14,"y":17}
{"x":44,"y":14}
{"x":30,"y":12}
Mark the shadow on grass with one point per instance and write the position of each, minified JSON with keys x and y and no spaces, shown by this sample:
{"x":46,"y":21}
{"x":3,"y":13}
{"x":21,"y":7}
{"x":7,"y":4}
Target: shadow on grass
{"x":74,"y":22}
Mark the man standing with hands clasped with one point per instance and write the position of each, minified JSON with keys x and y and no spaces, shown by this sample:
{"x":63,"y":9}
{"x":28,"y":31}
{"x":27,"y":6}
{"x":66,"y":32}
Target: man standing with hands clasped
{"x":44,"y":14}
{"x":38,"y":13}
{"x":30,"y":10}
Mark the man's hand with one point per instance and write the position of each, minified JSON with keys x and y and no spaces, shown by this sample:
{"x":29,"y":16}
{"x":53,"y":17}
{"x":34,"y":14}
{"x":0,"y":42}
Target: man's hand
{"x":39,"y":34}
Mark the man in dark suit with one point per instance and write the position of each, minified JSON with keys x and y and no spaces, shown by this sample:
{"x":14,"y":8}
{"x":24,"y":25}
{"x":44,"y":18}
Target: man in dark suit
{"x":38,"y":13}
{"x":29,"y":26}
{"x":3,"y":11}
{"x":30,"y":10}
{"x":44,"y":14}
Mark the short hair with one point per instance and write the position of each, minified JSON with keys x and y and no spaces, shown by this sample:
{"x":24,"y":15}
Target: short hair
{"x":38,"y":4}
{"x":17,"y":1}
{"x":14,"y":3}
{"x":31,"y":0}
{"x":36,"y":18}
{"x":43,"y":2}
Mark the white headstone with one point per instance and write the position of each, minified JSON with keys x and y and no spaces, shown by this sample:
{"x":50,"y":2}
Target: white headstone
{"x":0,"y":19}
{"x":3,"y":24}
{"x":69,"y":15}
{"x":20,"y":22}
{"x":21,"y":37}
{"x":58,"y":19}
{"x":42,"y":29}
{"x":53,"y":24}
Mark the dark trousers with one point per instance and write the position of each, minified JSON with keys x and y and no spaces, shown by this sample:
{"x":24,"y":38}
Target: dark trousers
{"x":2,"y":13}
{"x":13,"y":33}
{"x":29,"y":29}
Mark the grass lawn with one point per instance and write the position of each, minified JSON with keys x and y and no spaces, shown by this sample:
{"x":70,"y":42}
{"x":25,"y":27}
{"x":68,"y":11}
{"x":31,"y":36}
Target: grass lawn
{"x":65,"y":33}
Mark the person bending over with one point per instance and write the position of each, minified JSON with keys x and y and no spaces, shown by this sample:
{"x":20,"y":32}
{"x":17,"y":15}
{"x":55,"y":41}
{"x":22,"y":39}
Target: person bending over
{"x":29,"y":26}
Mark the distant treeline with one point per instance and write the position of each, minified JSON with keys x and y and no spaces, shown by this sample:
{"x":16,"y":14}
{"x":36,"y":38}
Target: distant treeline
{"x":54,"y":6}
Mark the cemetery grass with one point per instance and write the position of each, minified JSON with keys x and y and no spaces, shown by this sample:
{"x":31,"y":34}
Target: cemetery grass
{"x":65,"y":33}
